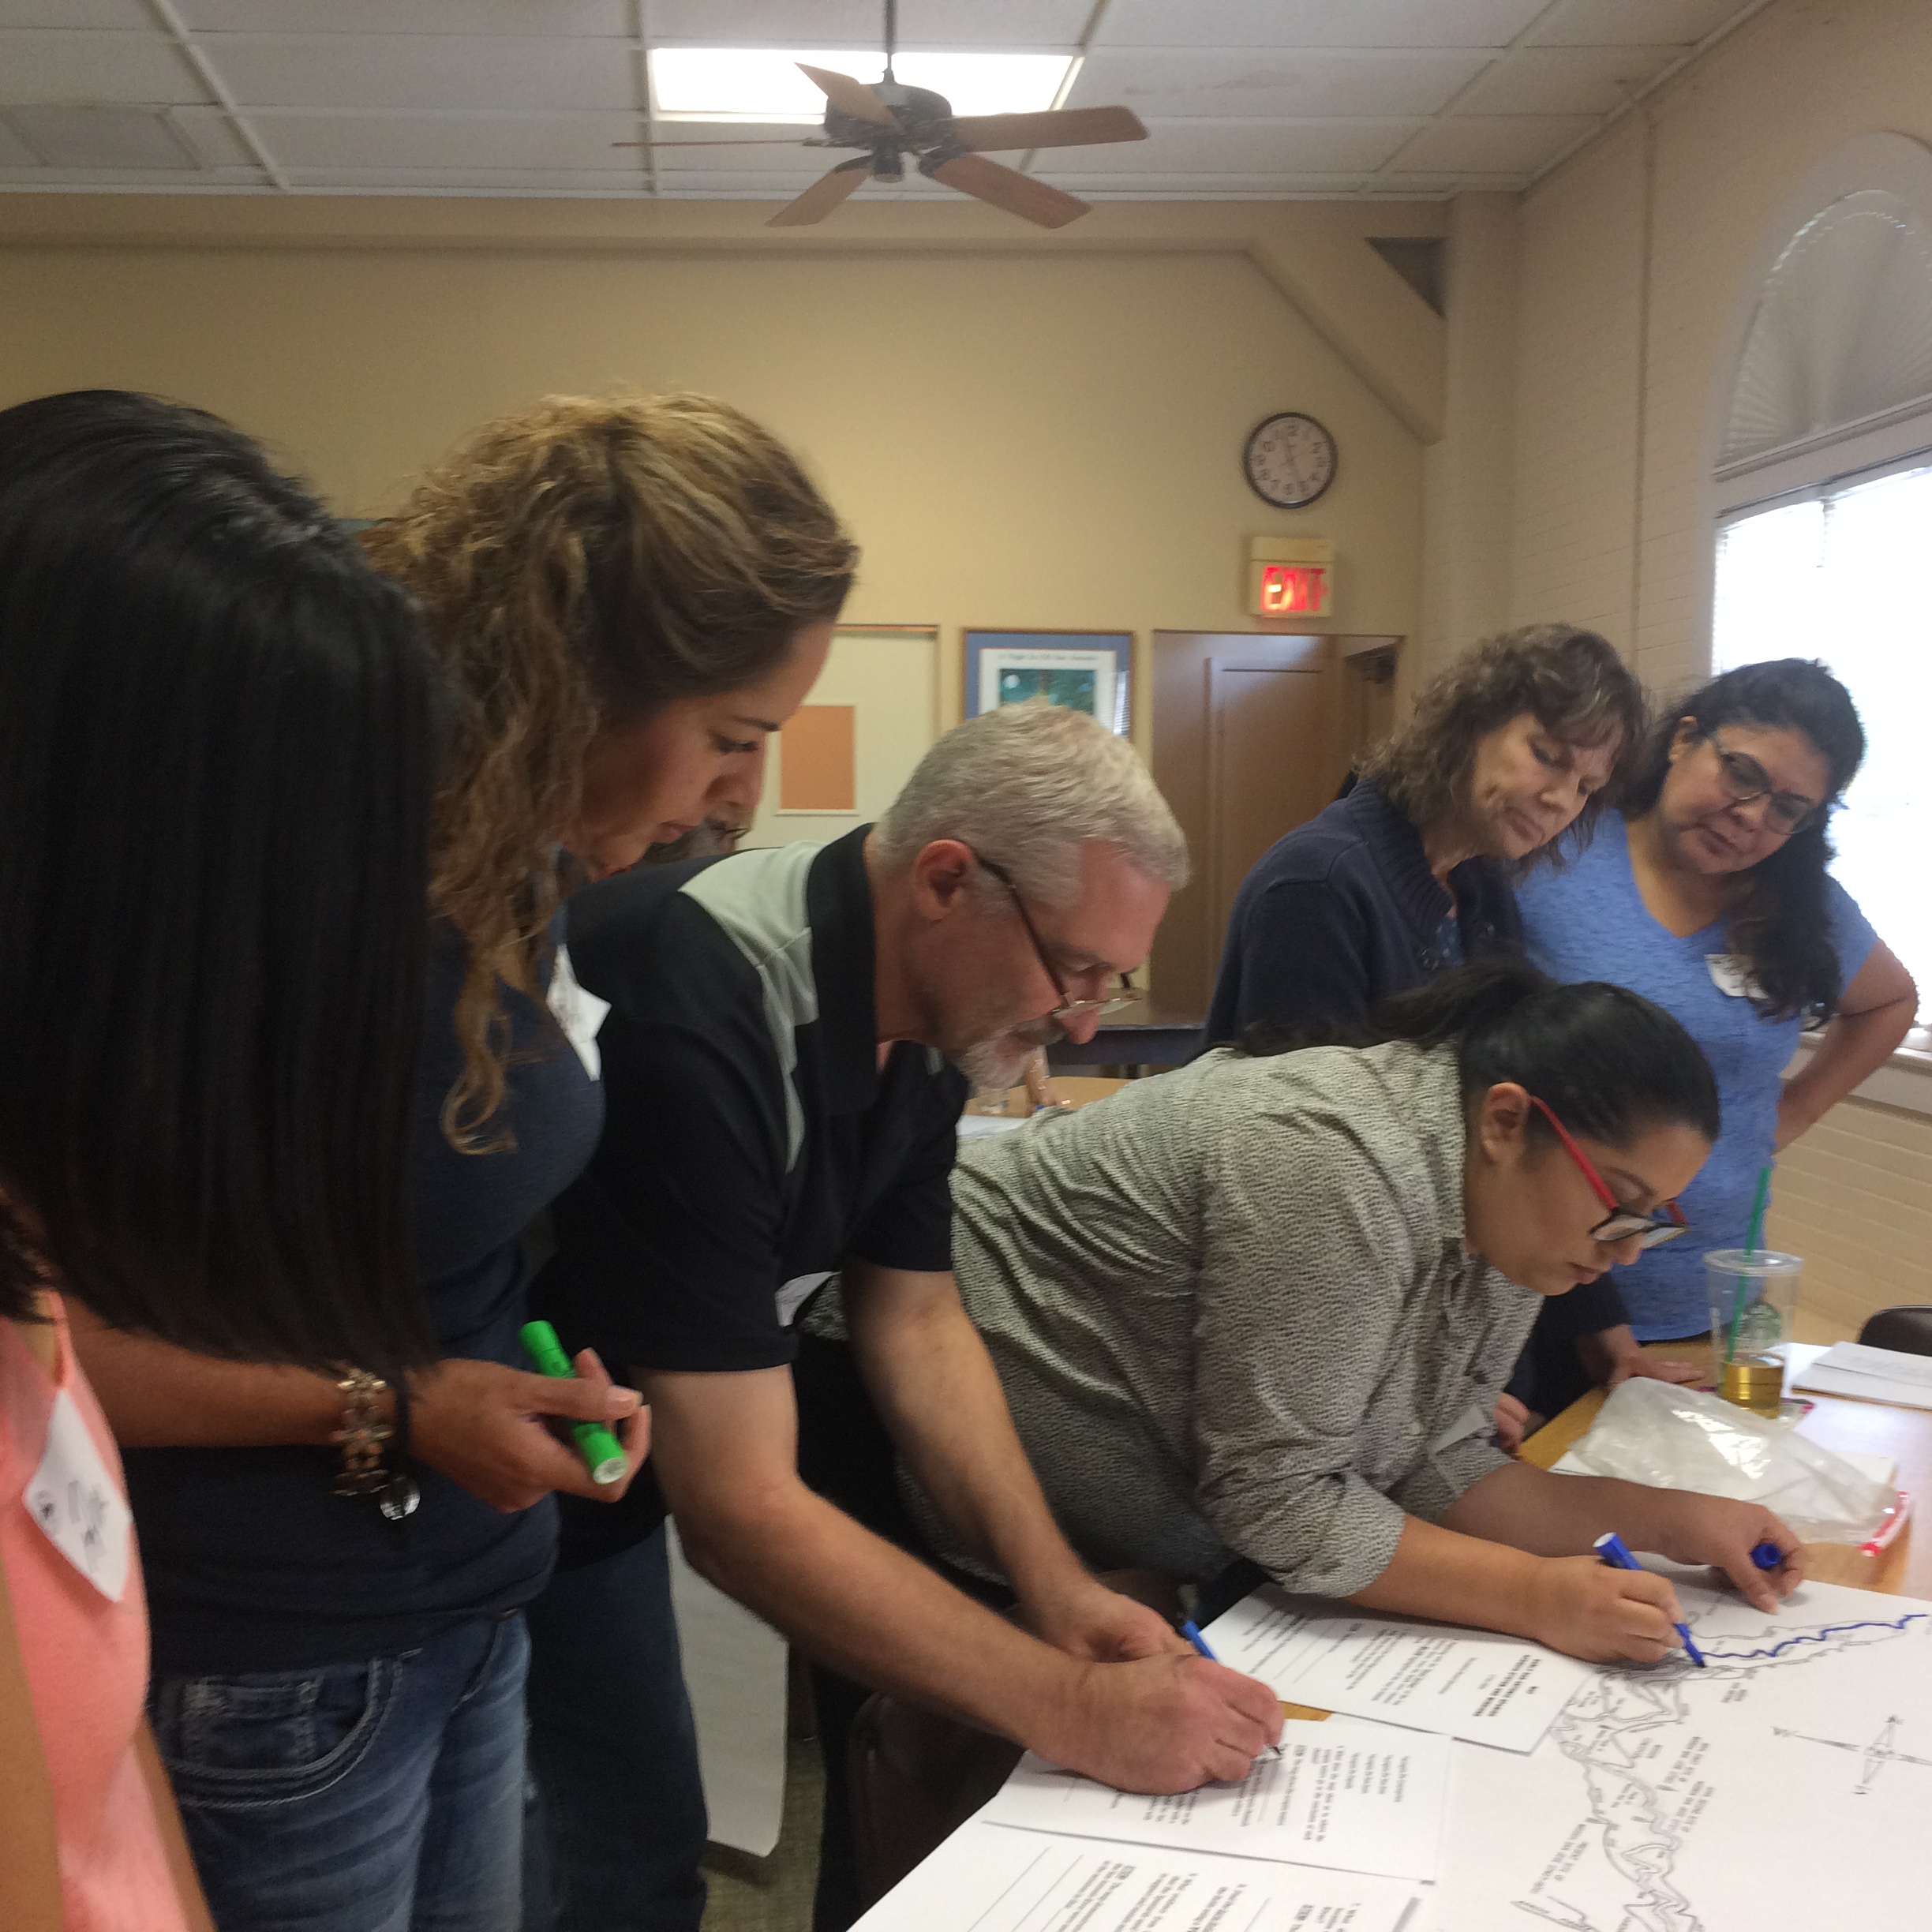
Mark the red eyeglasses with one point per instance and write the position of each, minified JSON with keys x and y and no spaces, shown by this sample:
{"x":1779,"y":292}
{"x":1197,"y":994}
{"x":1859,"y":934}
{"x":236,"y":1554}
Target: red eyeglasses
{"x":1621,"y":1222}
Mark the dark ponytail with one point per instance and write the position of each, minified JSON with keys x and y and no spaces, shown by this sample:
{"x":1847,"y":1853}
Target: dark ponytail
{"x":1607,"y":1062}
{"x":1779,"y":925}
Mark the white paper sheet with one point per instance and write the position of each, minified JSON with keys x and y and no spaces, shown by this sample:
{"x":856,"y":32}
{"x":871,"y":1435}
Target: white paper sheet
{"x":735,"y":1673}
{"x":990,"y":1878}
{"x":1784,"y":1788}
{"x":1350,"y":1797}
{"x":1871,"y":1374}
{"x":1473,"y":1684}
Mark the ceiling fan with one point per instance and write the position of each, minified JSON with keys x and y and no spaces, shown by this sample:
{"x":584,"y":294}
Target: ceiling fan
{"x":889,"y":121}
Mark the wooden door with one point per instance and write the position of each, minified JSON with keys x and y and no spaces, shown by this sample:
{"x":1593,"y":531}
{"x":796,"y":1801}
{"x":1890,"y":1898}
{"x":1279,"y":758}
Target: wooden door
{"x":1253,"y":735}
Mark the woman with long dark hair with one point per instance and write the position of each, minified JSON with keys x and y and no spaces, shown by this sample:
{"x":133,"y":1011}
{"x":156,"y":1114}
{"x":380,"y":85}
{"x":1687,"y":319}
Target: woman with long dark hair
{"x":627,"y":597}
{"x":218,"y":734}
{"x":1251,"y":1317}
{"x":1710,"y":894}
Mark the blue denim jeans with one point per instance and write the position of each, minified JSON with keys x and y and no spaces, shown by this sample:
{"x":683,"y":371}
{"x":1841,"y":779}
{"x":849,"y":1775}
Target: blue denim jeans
{"x":378,"y":1796}
{"x":614,"y":1754}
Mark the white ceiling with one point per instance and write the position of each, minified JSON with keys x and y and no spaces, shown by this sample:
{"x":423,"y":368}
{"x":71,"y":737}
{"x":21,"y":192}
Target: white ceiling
{"x":1241,"y":98}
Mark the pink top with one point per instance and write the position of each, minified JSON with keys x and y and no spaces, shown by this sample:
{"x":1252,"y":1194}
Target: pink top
{"x":86,"y":1669}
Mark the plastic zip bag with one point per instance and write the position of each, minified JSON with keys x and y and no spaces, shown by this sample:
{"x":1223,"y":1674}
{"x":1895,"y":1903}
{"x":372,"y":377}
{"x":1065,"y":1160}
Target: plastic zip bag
{"x":1676,"y":1438}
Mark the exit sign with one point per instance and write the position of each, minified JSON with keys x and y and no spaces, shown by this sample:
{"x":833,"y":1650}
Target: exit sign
{"x":1291,"y":577}
{"x":1293,"y":591}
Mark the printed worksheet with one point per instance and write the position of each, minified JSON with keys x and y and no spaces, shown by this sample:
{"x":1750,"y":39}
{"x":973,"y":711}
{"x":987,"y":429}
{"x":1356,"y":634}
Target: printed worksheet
{"x":988,"y":1877}
{"x":1782,"y":1788}
{"x":1473,"y":1684}
{"x":1352,"y":1797}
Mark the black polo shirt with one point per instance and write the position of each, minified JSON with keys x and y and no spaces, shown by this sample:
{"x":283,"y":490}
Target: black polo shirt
{"x":752,"y":1143}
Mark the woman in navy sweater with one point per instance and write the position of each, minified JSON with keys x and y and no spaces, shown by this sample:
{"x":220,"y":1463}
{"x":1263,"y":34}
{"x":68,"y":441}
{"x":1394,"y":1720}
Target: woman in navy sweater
{"x":1409,"y":872}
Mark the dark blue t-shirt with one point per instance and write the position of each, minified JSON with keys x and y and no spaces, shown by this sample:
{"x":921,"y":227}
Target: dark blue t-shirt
{"x":251,"y":1563}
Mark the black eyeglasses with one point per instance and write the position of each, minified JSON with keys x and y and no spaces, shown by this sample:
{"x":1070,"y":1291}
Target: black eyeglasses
{"x":1069,"y":1008}
{"x":1745,"y":779}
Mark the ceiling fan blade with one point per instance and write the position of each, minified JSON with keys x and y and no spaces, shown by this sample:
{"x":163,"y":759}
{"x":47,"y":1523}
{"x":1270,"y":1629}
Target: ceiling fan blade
{"x":849,"y":96}
{"x":823,"y":196}
{"x":1066,"y":127}
{"x":1006,"y":187}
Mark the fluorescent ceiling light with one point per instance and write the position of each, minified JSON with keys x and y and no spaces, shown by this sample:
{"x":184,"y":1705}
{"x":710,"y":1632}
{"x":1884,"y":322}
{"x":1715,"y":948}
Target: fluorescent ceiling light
{"x":759,"y":84}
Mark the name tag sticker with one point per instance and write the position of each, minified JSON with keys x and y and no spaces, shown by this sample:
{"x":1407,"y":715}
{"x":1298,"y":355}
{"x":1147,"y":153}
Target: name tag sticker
{"x":1730,"y":977}
{"x":76,"y":1500}
{"x":578,"y":1012}
{"x":794,"y":1294}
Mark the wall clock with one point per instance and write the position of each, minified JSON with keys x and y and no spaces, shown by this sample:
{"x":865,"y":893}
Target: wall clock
{"x":1290,"y":459}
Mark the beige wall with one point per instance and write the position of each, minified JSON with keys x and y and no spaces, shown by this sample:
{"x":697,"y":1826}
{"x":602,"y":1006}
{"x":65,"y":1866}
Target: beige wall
{"x":1023,"y":436}
{"x":1632,"y":260}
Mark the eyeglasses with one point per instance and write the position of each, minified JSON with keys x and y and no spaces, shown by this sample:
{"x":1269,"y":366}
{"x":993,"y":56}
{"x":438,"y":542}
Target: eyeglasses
{"x":1745,"y":779}
{"x":1621,"y":1222}
{"x":1069,"y":1008}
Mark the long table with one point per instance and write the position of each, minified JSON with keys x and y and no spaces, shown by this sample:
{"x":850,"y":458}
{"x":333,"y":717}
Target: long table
{"x":1837,"y":1422}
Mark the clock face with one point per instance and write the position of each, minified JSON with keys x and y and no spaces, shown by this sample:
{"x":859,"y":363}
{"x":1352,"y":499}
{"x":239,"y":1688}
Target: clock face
{"x":1289,"y":460}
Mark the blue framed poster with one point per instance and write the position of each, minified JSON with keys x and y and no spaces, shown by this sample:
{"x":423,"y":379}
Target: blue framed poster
{"x":1084,"y":670}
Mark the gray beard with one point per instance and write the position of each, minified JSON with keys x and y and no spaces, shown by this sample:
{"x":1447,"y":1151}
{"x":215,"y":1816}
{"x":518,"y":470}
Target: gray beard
{"x":1000,"y":1061}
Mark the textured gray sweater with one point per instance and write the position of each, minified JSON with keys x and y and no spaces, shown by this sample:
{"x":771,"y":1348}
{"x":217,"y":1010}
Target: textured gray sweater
{"x":1232,"y":1313}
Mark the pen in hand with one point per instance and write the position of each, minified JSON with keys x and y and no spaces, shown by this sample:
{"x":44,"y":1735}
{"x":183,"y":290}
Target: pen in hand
{"x":1610,"y":1549}
{"x":1191,"y":1630}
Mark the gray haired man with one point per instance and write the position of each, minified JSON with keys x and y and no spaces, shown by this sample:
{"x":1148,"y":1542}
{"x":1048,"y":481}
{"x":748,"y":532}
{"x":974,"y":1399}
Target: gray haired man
{"x":780,"y":1108}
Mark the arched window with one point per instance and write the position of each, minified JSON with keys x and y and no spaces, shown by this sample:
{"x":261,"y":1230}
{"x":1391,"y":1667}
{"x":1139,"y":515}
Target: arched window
{"x":1823,"y":488}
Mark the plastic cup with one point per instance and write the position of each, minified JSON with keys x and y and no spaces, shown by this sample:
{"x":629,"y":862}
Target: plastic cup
{"x":1753,"y":1300}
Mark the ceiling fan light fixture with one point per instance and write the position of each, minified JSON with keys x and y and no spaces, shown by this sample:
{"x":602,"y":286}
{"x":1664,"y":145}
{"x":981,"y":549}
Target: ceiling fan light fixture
{"x":765,"y":84}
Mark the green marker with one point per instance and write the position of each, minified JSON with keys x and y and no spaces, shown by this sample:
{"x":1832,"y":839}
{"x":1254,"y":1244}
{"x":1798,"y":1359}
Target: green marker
{"x":603,"y":1454}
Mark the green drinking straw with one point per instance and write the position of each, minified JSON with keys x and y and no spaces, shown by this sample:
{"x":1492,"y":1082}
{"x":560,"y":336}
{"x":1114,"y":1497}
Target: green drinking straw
{"x":1752,"y":1235}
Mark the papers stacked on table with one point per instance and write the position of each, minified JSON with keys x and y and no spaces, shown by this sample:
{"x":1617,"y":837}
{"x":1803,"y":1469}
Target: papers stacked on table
{"x":1874,"y":1374}
{"x":1505,"y":1785}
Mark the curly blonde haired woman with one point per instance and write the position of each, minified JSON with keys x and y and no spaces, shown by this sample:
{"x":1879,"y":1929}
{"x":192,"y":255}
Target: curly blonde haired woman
{"x":628,"y":598}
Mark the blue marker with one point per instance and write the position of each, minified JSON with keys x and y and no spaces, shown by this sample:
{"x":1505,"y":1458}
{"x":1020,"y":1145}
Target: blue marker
{"x":1609,"y":1549}
{"x":1192,"y":1632}
{"x":1767,"y":1556}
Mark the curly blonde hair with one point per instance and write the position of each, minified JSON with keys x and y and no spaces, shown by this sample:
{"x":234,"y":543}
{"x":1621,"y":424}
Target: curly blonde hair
{"x":578,"y":564}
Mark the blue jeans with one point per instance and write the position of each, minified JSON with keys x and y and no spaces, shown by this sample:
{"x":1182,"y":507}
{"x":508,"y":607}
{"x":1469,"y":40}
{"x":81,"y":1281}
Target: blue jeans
{"x":614,"y":1753}
{"x":379,"y":1796}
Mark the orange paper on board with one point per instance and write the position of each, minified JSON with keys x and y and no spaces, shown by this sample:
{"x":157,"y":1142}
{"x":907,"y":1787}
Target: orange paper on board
{"x":815,"y":760}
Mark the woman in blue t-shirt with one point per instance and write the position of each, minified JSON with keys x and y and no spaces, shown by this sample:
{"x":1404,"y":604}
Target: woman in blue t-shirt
{"x":1710,"y":896}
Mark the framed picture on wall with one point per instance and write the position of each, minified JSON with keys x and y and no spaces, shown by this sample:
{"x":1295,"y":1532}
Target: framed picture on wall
{"x":1085,"y":670}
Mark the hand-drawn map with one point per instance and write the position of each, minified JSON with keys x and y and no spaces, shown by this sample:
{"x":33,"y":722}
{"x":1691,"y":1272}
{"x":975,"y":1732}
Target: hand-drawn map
{"x":1786,"y":1785}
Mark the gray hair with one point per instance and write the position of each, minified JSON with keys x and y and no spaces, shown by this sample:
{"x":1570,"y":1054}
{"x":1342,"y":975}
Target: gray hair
{"x":1026,"y":786}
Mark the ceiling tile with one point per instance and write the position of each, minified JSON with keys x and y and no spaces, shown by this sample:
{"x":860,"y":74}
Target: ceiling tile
{"x":93,"y":68}
{"x":768,"y":22}
{"x":446,"y":141}
{"x":1505,"y":145}
{"x":1012,"y":25}
{"x":1188,"y":86}
{"x":427,"y":70}
{"x":1315,"y":23}
{"x":807,"y":163}
{"x":138,"y":140}
{"x":14,"y":152}
{"x":131,"y":14}
{"x":1546,"y":80}
{"x":211,"y":135}
{"x":1635,"y":23}
{"x":1298,"y":147}
{"x":552,"y":18}
{"x":469,"y":181}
